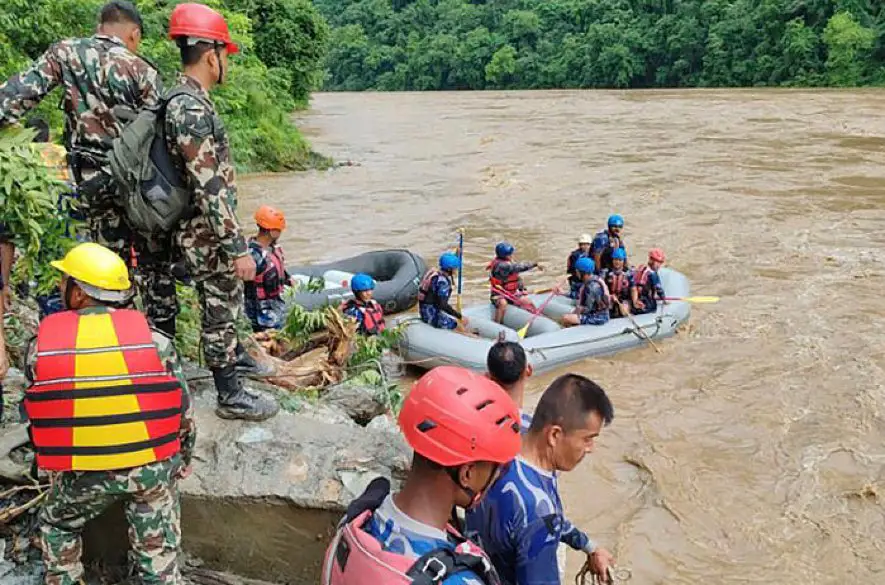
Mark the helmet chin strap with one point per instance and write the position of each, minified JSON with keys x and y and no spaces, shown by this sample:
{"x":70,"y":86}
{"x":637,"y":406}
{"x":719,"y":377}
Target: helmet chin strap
{"x":475,"y":496}
{"x":220,"y":64}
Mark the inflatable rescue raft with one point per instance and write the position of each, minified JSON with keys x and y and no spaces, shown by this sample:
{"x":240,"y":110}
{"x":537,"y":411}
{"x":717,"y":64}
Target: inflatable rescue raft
{"x":397,"y":274}
{"x":548,"y":345}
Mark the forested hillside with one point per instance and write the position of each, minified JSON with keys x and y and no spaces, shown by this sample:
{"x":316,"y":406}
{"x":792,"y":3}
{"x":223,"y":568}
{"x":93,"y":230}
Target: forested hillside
{"x":510,"y":44}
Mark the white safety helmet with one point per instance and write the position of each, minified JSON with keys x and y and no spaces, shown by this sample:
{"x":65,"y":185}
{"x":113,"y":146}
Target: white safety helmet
{"x":585,"y":239}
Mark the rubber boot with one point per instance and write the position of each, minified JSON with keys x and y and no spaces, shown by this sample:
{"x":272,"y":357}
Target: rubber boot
{"x":236,"y":402}
{"x":247,"y":365}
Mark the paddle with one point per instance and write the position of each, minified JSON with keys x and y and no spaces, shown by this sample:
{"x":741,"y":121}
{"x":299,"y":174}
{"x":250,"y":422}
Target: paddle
{"x":516,"y":301}
{"x":522,"y":331}
{"x":626,"y":311}
{"x":461,"y":264}
{"x":700,"y":300}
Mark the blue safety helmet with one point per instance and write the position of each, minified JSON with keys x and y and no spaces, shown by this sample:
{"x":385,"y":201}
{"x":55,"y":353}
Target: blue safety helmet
{"x":615,"y":221}
{"x":449,"y":261}
{"x":504,"y":249}
{"x":361,"y":282}
{"x":585,"y":265}
{"x":619,"y":254}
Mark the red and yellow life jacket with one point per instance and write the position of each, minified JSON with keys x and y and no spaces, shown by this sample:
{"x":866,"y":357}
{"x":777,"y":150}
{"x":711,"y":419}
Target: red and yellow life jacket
{"x":101,"y":398}
{"x":511,"y":285}
{"x":641,"y":277}
{"x":373,"y":315}
{"x":618,"y":283}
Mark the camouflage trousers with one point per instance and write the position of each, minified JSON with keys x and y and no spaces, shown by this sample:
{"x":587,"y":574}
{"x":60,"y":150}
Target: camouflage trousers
{"x":153,"y":258}
{"x":152,"y":507}
{"x":221,"y":302}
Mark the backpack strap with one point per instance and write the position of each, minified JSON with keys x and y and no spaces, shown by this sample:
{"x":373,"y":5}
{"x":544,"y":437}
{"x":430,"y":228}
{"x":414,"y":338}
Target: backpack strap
{"x":438,"y":565}
{"x":371,"y":499}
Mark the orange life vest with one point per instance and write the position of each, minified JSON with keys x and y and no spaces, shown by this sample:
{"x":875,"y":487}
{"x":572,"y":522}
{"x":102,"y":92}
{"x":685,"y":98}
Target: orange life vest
{"x":510,"y":285}
{"x":641,"y":277}
{"x":373,"y":315}
{"x":101,"y":398}
{"x":269,"y":282}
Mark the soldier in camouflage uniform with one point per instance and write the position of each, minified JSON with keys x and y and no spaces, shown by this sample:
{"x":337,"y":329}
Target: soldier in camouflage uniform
{"x":213,"y":246}
{"x":99,"y":74}
{"x":148,"y":491}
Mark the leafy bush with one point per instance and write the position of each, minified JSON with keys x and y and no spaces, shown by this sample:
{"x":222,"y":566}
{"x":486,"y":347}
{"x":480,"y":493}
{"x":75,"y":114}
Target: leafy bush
{"x":29,"y":207}
{"x":258,"y":97}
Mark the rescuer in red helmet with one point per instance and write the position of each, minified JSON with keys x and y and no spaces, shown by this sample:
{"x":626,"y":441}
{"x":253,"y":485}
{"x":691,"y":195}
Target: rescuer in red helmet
{"x":463,"y":428}
{"x":213,"y":246}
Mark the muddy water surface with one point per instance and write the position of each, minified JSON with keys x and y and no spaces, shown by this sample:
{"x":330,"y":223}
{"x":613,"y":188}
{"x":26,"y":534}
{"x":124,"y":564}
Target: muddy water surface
{"x":751,"y":450}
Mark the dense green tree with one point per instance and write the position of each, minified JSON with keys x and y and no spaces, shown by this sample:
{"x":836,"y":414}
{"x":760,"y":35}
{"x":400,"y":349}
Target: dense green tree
{"x":458,"y":44}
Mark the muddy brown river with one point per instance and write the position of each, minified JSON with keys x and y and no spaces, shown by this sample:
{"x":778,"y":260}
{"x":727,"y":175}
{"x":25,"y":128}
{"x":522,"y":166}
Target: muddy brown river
{"x":750,"y":450}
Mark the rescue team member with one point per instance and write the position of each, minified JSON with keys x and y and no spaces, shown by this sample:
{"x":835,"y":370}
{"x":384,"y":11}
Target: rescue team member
{"x":607,"y":241}
{"x":582,"y":251}
{"x":434,"y":293}
{"x":505,"y":282}
{"x":367,"y":311}
{"x":508,"y":366}
{"x":521,"y":522}
{"x":617,"y":279}
{"x":98,"y":74}
{"x":593,"y":298}
{"x":462,"y":427}
{"x":264,"y":295}
{"x":646,"y":289}
{"x":109,"y":414}
{"x":214,"y":250}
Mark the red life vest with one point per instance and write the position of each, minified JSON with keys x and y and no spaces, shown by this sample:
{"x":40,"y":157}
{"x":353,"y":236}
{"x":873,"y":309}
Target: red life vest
{"x":641,"y":277}
{"x":618,"y":283}
{"x":269,"y":282}
{"x":355,"y":557}
{"x":101,"y":398}
{"x":511,"y":285}
{"x":373,"y":315}
{"x":425,"y":288}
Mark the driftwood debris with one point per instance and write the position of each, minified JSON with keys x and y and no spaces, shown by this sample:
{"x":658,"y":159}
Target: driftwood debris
{"x":319,"y":362}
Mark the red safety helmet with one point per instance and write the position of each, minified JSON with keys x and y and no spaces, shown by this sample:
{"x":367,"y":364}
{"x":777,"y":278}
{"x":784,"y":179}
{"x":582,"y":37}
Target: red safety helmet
{"x":454,"y":416}
{"x":269,"y":218}
{"x":657,"y":255}
{"x":198,"y":21}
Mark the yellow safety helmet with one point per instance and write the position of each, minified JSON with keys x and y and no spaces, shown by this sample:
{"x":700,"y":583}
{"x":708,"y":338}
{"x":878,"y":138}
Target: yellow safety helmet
{"x":98,"y":271}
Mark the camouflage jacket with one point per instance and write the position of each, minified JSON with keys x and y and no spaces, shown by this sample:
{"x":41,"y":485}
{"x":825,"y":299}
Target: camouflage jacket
{"x":166,"y":349}
{"x":199,"y":146}
{"x":97,"y":73}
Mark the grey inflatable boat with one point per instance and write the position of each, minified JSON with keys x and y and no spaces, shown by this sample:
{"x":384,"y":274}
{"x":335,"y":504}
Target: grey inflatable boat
{"x":547,"y":344}
{"x":397,"y":274}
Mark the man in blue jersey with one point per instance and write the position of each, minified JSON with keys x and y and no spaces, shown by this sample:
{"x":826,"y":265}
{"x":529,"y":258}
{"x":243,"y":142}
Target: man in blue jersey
{"x":521,"y":521}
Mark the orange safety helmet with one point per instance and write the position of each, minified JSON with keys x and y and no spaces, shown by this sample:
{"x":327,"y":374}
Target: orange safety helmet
{"x":199,"y":22}
{"x":657,"y":255}
{"x":270,"y":219}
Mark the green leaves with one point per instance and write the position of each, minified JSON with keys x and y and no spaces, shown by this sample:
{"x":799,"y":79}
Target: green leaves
{"x":30,"y":209}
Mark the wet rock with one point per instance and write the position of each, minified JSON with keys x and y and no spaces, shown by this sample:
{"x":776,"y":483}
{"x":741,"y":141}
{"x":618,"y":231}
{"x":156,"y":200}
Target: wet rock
{"x":361,"y":403}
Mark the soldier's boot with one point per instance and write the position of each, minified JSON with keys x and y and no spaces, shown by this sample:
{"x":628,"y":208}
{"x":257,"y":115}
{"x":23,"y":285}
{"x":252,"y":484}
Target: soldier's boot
{"x":248,"y":365}
{"x":235,"y":401}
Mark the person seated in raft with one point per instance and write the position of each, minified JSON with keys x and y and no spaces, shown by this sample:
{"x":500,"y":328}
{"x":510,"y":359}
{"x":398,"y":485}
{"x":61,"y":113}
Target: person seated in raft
{"x":618,"y":279}
{"x":582,"y":251}
{"x":264,"y":295}
{"x":646,"y":288}
{"x":367,"y":311}
{"x":434,"y":293}
{"x":505,"y":282}
{"x":607,"y":241}
{"x":593,"y":298}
